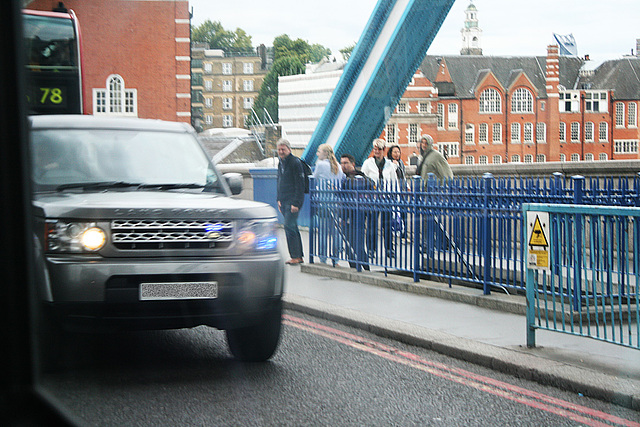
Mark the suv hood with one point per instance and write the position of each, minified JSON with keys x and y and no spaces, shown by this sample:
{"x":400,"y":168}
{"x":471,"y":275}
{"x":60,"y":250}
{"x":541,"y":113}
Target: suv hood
{"x":146,"y":204}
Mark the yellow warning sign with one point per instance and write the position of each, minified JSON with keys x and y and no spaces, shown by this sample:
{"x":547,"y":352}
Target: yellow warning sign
{"x":538,"y":237}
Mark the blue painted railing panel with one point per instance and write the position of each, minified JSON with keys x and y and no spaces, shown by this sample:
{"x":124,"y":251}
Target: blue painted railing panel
{"x":592,"y":286}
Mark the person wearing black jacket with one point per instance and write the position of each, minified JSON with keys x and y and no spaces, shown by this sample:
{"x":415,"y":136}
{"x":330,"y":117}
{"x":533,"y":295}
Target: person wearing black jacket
{"x":353,"y":219}
{"x":290,"y":198}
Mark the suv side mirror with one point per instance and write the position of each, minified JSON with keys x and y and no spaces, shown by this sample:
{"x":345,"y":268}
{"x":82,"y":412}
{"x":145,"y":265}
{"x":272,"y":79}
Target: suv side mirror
{"x":234,"y":181}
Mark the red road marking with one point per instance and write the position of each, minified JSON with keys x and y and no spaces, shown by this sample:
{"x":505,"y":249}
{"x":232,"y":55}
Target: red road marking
{"x":486,"y":384}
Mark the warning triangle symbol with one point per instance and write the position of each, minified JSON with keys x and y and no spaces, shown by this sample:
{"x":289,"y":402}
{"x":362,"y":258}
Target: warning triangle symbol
{"x":537,"y":237}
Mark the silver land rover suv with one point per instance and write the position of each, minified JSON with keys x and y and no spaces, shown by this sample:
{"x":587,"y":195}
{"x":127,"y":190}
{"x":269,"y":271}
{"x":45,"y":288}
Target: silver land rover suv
{"x":135,"y":229}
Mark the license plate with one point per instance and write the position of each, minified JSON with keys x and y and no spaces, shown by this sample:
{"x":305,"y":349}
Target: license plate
{"x":178,"y":290}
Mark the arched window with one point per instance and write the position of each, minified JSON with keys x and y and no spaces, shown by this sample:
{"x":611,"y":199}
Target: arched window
{"x":115,"y":99}
{"x":490,"y":101}
{"x":521,"y":101}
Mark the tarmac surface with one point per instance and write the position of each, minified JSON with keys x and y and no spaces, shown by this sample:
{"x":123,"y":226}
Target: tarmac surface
{"x":463,"y":323}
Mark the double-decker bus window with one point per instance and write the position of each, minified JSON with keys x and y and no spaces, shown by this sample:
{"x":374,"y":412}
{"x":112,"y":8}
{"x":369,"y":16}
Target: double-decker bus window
{"x":53,"y":63}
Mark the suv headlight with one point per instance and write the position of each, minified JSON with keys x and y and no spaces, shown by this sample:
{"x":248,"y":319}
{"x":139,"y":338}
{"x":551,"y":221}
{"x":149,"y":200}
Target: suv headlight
{"x":258,"y":235}
{"x":76,"y":237}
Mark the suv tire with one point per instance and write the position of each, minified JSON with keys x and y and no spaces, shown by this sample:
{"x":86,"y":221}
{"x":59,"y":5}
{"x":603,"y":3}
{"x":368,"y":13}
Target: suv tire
{"x":258,"y":342}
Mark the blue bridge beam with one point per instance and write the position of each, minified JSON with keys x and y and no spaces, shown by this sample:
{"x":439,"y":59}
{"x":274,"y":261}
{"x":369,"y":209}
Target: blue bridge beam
{"x":392,"y":46}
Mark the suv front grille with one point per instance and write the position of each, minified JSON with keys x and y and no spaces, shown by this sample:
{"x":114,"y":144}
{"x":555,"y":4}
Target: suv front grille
{"x":171,"y":234}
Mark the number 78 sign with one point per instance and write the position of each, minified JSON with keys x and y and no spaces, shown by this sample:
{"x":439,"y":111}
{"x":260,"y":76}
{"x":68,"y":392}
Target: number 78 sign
{"x":538,"y":243}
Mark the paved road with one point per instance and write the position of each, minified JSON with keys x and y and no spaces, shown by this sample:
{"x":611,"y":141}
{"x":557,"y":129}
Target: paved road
{"x":323,"y":374}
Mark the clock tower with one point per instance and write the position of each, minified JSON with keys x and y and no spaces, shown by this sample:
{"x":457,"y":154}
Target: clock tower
{"x":471,"y":33}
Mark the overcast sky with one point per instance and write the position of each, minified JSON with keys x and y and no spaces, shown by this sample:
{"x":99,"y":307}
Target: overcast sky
{"x":604,"y":29}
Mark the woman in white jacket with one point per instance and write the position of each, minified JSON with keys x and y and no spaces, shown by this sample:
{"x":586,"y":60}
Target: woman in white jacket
{"x":378,"y":167}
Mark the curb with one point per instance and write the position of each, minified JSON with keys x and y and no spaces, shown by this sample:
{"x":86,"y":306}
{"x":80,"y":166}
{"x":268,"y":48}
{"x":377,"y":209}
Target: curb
{"x":522,"y":363}
{"x":515,"y":304}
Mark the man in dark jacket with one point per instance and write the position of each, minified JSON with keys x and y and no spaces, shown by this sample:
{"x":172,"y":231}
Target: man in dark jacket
{"x":353,"y":219}
{"x":290,"y":198}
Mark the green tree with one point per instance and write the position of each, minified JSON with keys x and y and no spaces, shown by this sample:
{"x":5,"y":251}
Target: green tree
{"x":214,"y":34}
{"x":346,"y":51}
{"x":268,"y":96}
{"x":289,"y":58}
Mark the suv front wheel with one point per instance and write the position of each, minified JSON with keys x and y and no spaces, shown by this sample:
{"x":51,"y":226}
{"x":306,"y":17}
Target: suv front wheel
{"x":258,"y":342}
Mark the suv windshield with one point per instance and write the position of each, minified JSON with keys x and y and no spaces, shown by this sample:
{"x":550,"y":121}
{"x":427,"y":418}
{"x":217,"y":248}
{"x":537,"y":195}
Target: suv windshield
{"x":123,"y":159}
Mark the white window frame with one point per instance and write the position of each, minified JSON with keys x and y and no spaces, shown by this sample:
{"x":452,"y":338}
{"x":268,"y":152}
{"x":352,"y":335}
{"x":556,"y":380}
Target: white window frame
{"x":402,"y":108}
{"x":541,"y":133}
{"x":521,"y":101}
{"x":483,"y":133}
{"x":619,"y":119}
{"x":603,"y":157}
{"x":448,"y":149}
{"x":496,"y":133}
{"x":247,"y":103}
{"x":391,"y":135}
{"x":452,"y":116}
{"x":227,"y":68}
{"x":227,"y":103}
{"x":497,"y":159}
{"x":528,"y":133}
{"x":588,"y":131}
{"x":208,"y":67}
{"x":595,"y":101}
{"x":603,"y":132}
{"x":208,"y":102}
{"x":625,"y":146}
{"x":541,"y":158}
{"x":562,"y":130}
{"x":575,"y":132}
{"x":515,"y":133}
{"x":483,"y":160}
{"x":632,"y":115}
{"x":563,"y":158}
{"x":115,"y":99}
{"x":440,"y":116}
{"x":208,"y":85}
{"x":424,"y":107}
{"x":490,"y":101}
{"x":528,"y":158}
{"x":469,"y":134}
{"x":227,"y":86}
{"x":413,"y":133}
{"x":569,"y":101}
{"x":227,"y":121}
{"x":247,"y":85}
{"x":588,"y":157}
{"x":247,"y":67}
{"x":515,"y":158}
{"x":468,"y":160}
{"x":208,"y":119}
{"x":575,"y":157}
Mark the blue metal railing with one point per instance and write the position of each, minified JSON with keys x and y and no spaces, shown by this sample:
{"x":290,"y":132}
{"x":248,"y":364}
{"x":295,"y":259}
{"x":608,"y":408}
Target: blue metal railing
{"x":466,"y":229}
{"x":591,"y":286}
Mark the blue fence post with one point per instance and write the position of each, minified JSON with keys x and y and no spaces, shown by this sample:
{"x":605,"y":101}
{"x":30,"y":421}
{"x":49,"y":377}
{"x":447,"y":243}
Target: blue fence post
{"x":636,"y":187}
{"x":312,"y":216}
{"x":417,"y":219}
{"x":486,"y":233}
{"x":578,"y":188}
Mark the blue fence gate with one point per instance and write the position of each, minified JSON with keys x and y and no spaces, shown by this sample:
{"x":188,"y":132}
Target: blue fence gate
{"x":590,"y":287}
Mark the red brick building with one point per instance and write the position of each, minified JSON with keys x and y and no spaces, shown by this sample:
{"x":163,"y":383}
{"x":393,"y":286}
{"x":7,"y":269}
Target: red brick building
{"x":136,"y":56}
{"x":484,"y":109}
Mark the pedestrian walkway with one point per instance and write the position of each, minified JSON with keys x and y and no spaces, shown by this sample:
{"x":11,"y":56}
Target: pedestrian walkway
{"x":463,"y":323}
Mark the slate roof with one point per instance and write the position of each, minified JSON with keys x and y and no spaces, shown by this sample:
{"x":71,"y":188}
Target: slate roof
{"x":467,"y":70}
{"x":621,"y":75}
